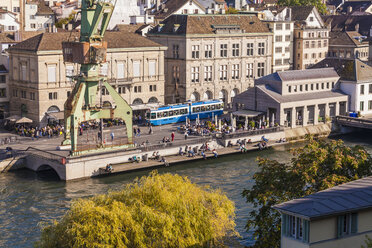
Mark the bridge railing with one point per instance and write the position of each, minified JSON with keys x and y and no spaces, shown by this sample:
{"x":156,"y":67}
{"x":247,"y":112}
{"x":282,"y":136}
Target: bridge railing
{"x":40,"y":153}
{"x":351,"y":120}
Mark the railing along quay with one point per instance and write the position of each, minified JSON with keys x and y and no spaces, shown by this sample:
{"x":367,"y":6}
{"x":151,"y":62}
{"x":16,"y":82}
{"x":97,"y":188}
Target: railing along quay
{"x":252,"y":132}
{"x":354,"y":122}
{"x":191,"y":141}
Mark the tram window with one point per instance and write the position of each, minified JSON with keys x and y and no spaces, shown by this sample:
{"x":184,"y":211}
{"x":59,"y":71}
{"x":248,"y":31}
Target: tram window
{"x":171,"y":113}
{"x":186,"y":111}
{"x":159,"y":115}
{"x":213,"y":107}
{"x":203,"y":108}
{"x":194,"y":110}
{"x":176,"y":112}
{"x":165,"y":113}
{"x":221,"y":106}
{"x":148,"y":115}
{"x":153,"y":116}
{"x":182,"y":111}
{"x":208,"y":107}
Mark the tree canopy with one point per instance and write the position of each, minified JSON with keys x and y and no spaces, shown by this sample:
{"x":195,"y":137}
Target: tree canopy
{"x":316,"y":166}
{"x":322,"y":8}
{"x":154,"y":211}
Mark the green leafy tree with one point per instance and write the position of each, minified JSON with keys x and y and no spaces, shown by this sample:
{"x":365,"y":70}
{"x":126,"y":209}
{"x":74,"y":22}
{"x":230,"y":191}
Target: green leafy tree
{"x":322,"y":8}
{"x":232,"y":10}
{"x":316,"y":166}
{"x":66,"y":20}
{"x":368,"y":242}
{"x":155,"y":211}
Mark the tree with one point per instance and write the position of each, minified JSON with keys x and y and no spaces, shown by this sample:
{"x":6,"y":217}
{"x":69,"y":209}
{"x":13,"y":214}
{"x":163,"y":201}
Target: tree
{"x":155,"y":211}
{"x":316,"y":166}
{"x":368,"y":242}
{"x":322,"y":8}
{"x":232,"y":10}
{"x":65,"y":21}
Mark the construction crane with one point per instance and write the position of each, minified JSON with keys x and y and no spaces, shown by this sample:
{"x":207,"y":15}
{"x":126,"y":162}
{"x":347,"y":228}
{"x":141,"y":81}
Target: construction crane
{"x":90,"y":52}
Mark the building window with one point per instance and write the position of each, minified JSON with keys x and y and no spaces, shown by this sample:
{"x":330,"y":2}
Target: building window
{"x":2,"y":92}
{"x":278,"y":38}
{"x":301,"y":87}
{"x":260,"y":69}
{"x":120,"y":70}
{"x":235,"y":50}
{"x":306,"y":87}
{"x":185,"y":11}
{"x":223,"y":72}
{"x":306,"y":56}
{"x":136,"y":69}
{"x":23,"y":94}
{"x":261,"y":48}
{"x":33,"y":25}
{"x":289,"y":89}
{"x":51,"y":73}
{"x":121,"y":89}
{"x":361,"y":106}
{"x":152,"y":68}
{"x":195,"y":52}
{"x":250,"y":70}
{"x":347,"y":224}
{"x":249,"y":49}
{"x":23,"y":72}
{"x":68,"y":94}
{"x":137,"y":89}
{"x":317,"y":86}
{"x":295,"y":227}
{"x":176,"y":54}
{"x":2,"y":79}
{"x":32,"y":95}
{"x":370,"y":105}
{"x":16,"y":9}
{"x":287,"y":38}
{"x":307,"y":44}
{"x":235,"y":71}
{"x":278,"y":62}
{"x":15,"y":93}
{"x":319,"y":43}
{"x":152,"y":88}
{"x":362,"y":89}
{"x":313,"y":44}
{"x":287,"y":26}
{"x":194,"y":74}
{"x":278,"y":49}
{"x":69,"y":73}
{"x":208,"y":73}
{"x":223,"y":51}
{"x":176,"y":74}
{"x":370,"y":88}
{"x":208,"y":51}
{"x":325,"y":43}
{"x":327,"y":85}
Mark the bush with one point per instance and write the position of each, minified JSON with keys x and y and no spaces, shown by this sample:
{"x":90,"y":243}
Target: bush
{"x":155,"y":211}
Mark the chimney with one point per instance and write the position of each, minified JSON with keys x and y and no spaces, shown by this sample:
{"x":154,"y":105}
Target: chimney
{"x":349,"y":9}
{"x":175,"y":27}
{"x":63,"y":26}
{"x":357,"y":27}
{"x":69,"y":26}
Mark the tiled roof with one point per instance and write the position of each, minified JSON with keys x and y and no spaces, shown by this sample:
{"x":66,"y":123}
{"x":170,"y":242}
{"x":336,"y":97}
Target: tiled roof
{"x":349,"y":22}
{"x":347,"y":197}
{"x":300,"y":13}
{"x":356,"y":5}
{"x":348,"y":69}
{"x":296,"y":75}
{"x":205,"y":24}
{"x":53,"y":41}
{"x":300,"y":97}
{"x":7,"y":38}
{"x":130,"y":28}
{"x":43,"y":9}
{"x":345,"y":38}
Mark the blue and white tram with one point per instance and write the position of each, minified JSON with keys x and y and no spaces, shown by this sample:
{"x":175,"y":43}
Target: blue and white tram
{"x":178,"y":113}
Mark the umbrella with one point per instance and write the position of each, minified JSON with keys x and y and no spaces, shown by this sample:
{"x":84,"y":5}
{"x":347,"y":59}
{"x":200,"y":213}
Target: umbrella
{"x":13,"y":118}
{"x":24,"y":120}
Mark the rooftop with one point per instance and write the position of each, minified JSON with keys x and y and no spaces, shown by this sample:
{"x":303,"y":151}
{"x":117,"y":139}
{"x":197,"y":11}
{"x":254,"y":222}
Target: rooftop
{"x":347,"y":197}
{"x":205,"y":24}
{"x":53,"y":41}
{"x":297,"y":75}
{"x":171,"y":6}
{"x":350,"y":23}
{"x":346,"y":38}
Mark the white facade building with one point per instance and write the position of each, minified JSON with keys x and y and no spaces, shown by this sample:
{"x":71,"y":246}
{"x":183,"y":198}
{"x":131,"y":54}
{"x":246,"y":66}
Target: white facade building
{"x":38,"y":16}
{"x":8,"y":21}
{"x":13,"y":6}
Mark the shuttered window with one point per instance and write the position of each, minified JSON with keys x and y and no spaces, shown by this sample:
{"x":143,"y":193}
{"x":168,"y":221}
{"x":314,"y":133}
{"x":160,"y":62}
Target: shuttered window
{"x":120,"y":70}
{"x":51,"y":74}
{"x":295,"y":227}
{"x":152,"y":68}
{"x":347,"y":224}
{"x":136,"y":69}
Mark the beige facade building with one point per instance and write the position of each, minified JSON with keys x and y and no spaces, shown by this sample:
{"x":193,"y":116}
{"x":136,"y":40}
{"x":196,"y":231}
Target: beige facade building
{"x":348,"y":44}
{"x":311,"y":36}
{"x":296,"y":98}
{"x":213,"y":56}
{"x":339,"y":217}
{"x":40,"y":82}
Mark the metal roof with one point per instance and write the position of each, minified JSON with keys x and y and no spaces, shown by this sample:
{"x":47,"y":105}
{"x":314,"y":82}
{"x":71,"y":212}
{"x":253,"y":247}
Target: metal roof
{"x":347,"y":197}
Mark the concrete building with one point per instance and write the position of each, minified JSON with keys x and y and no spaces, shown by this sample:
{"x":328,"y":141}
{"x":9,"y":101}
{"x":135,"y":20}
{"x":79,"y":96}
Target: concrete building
{"x":337,"y":217}
{"x":8,"y":21}
{"x":281,"y":25}
{"x":296,"y":98}
{"x":355,"y":80}
{"x":348,"y":44}
{"x":311,"y":36}
{"x":212,"y":56}
{"x":4,"y":92}
{"x":40,"y":82}
{"x":38,"y":16}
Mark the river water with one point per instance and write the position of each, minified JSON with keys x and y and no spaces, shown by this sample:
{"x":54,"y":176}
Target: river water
{"x":27,"y":198}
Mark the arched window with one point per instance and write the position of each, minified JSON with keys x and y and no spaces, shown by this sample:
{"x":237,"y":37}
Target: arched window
{"x":207,"y":95}
{"x":53,"y":109}
{"x":107,"y":104}
{"x":153,"y":100}
{"x":195,"y":97}
{"x":137,"y":101}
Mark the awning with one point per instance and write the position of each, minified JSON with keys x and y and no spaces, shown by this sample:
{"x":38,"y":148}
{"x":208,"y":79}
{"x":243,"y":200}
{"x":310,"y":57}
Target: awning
{"x":247,"y":113}
{"x":56,"y":115}
{"x":13,"y":118}
{"x":146,"y":106}
{"x":24,"y":120}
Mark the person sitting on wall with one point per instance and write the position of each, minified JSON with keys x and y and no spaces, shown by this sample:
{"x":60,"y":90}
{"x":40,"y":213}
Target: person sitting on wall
{"x":180,"y":152}
{"x":109,"y":168}
{"x":203,"y":155}
{"x":215,"y":154}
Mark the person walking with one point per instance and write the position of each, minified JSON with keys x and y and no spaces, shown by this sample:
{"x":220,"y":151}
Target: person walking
{"x":186,"y":135}
{"x":134,"y":132}
{"x":172,"y":136}
{"x":139,"y":132}
{"x":150,"y":129}
{"x":112,"y":136}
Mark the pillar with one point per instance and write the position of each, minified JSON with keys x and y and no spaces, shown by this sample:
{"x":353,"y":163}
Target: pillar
{"x":293,"y":117}
{"x":316,"y":114}
{"x":246,"y":123}
{"x":305,"y":116}
{"x":337,"y":108}
{"x":326,"y":111}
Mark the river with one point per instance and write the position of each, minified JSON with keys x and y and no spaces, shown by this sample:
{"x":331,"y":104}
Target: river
{"x":27,"y":198}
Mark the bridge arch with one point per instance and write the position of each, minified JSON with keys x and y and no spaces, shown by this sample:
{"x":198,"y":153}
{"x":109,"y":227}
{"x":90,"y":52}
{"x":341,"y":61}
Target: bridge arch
{"x":47,"y":167}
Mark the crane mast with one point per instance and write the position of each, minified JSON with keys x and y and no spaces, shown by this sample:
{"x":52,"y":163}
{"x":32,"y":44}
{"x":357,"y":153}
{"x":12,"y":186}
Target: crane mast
{"x":90,"y":52}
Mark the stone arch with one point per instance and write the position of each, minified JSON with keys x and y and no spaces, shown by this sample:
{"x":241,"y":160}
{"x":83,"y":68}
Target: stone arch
{"x":137,"y":101}
{"x":47,"y":167}
{"x":153,"y":100}
{"x":234,"y":93}
{"x":208,"y":95}
{"x":195,"y":96}
{"x":107,"y":104}
{"x":222,"y":95}
{"x":53,"y":109}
